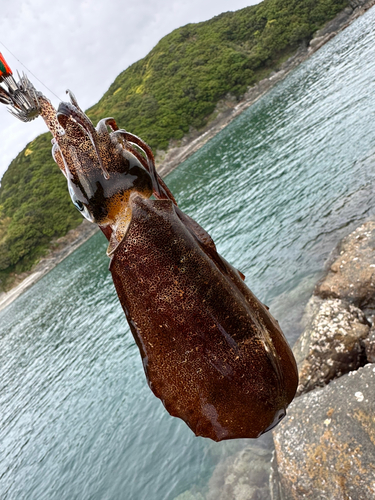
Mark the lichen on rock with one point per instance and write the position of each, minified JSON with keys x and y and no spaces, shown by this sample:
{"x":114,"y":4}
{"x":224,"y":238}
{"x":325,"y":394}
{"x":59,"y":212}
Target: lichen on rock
{"x":325,"y":447}
{"x":331,"y":343}
{"x":351,"y":276}
{"x":243,"y":476}
{"x":369,"y":343}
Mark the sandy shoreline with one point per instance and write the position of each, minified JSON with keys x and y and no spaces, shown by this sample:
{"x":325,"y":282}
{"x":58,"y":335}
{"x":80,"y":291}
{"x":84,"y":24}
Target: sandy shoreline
{"x":226,"y":111}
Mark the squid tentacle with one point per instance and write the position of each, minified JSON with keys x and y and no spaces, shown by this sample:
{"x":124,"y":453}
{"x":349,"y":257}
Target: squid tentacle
{"x":133,"y":139}
{"x":161,"y":191}
{"x":71,"y":111}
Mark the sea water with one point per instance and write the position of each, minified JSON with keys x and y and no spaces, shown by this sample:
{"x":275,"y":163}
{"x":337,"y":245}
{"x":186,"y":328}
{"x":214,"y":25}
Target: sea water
{"x":277,"y":189}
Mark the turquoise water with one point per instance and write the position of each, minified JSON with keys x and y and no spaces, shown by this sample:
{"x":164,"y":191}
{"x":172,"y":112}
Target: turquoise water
{"x":276,"y":189}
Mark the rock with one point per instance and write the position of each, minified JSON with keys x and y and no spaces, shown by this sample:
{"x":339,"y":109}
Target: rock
{"x":354,"y":4}
{"x":319,"y":41}
{"x":369,"y":343}
{"x":351,"y":276}
{"x":336,"y":23}
{"x":243,"y":476}
{"x":331,"y":343}
{"x":316,"y":41}
{"x":188,"y":495}
{"x":325,"y":447}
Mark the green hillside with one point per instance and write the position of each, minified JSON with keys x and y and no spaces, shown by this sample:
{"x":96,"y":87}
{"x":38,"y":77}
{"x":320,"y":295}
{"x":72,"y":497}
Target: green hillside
{"x":175,"y":87}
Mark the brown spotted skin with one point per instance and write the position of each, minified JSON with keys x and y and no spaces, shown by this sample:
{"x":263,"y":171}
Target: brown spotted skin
{"x":211,"y":351}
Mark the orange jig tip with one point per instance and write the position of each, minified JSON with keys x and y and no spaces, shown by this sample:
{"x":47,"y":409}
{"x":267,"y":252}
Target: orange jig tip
{"x":4,"y":67}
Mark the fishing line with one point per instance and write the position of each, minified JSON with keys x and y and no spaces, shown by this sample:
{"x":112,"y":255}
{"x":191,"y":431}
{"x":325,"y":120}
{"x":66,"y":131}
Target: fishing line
{"x":31,"y":73}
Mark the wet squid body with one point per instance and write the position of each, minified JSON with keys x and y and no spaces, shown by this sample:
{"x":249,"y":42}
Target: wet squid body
{"x":211,"y":350}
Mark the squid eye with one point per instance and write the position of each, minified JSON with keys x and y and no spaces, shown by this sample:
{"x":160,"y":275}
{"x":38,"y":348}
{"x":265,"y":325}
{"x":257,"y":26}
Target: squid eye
{"x":80,"y":206}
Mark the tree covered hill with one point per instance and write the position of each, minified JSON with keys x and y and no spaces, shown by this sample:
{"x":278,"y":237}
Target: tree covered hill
{"x":175,"y":87}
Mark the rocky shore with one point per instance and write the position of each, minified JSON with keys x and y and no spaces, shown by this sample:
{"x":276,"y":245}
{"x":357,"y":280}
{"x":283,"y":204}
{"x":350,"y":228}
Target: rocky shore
{"x":325,"y":447}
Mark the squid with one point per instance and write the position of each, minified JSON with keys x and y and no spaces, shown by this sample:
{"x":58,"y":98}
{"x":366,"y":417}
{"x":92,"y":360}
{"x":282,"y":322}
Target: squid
{"x":211,"y":351}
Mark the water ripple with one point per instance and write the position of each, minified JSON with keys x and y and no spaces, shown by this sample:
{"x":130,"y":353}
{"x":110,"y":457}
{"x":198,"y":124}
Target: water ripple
{"x":277,"y":189}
